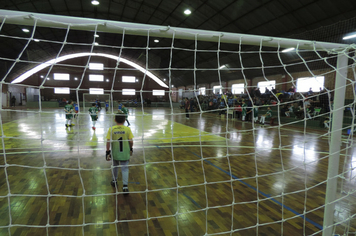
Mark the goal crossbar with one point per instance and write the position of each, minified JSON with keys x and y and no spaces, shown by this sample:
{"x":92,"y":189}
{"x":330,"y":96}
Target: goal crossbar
{"x":108,"y":26}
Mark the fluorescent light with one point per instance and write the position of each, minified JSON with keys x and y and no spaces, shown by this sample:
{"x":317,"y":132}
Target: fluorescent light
{"x":25,"y":30}
{"x":96,"y":91}
{"x":128,"y":79}
{"x":288,"y":49}
{"x":187,"y":12}
{"x":42,"y":76}
{"x":75,"y":78}
{"x":95,"y":2}
{"x":156,"y":41}
{"x":96,"y":35}
{"x":47,"y":78}
{"x":136,"y":80}
{"x":164,"y":79}
{"x":349,"y":36}
{"x":61,"y":91}
{"x":96,"y":66}
{"x":107,"y":80}
{"x":99,"y":78}
{"x":128,"y":92}
{"x":158,"y":92}
{"x":60,"y":76}
{"x":96,"y":44}
{"x":86,"y":54}
{"x":221,"y":67}
{"x":36,"y":40}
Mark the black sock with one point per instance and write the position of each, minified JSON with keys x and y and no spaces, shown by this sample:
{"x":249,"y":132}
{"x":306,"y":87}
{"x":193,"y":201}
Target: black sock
{"x":125,"y":185}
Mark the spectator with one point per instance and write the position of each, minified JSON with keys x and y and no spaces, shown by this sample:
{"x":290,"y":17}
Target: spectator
{"x":13,"y":101}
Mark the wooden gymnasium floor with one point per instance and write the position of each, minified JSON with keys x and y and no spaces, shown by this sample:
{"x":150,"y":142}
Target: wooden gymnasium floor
{"x":193,"y":208}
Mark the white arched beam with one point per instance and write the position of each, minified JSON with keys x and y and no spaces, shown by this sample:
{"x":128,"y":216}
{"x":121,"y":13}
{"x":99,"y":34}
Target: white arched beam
{"x":85,"y":54}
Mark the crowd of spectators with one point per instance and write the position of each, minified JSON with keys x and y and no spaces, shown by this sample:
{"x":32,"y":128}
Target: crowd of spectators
{"x":292,"y":103}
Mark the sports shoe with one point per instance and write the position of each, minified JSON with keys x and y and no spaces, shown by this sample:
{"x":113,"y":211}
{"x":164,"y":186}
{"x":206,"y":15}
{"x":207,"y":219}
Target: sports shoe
{"x":113,"y":183}
{"x":93,"y":128}
{"x":125,"y":190}
{"x":66,"y":126}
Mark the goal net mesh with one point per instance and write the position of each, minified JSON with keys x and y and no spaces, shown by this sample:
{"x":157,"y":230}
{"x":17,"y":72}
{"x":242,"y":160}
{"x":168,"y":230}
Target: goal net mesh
{"x":246,"y":154}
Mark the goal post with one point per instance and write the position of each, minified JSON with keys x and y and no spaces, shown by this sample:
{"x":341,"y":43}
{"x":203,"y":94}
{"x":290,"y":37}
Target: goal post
{"x":335,"y":143}
{"x":57,"y":21}
{"x":310,"y":59}
{"x":89,"y":99}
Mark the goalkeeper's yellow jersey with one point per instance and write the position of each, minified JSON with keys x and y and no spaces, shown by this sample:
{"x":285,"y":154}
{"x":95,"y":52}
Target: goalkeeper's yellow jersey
{"x":119,"y":135}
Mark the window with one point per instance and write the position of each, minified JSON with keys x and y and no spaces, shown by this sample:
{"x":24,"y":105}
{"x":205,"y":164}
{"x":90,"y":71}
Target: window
{"x":202,"y":91}
{"x":315,"y":83}
{"x":217,"y":89}
{"x":266,"y":84}
{"x":128,"y":92}
{"x":96,"y":66}
{"x":96,"y":91}
{"x":60,"y":76}
{"x":61,"y":91}
{"x":128,"y":79}
{"x":99,"y":78}
{"x":158,"y":92}
{"x":237,"y":88}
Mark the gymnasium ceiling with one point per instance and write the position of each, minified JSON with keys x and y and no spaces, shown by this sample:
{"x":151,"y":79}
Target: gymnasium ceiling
{"x":316,"y":20}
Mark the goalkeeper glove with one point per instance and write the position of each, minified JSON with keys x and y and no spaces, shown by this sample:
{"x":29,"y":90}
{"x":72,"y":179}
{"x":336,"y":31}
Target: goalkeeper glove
{"x":108,"y":155}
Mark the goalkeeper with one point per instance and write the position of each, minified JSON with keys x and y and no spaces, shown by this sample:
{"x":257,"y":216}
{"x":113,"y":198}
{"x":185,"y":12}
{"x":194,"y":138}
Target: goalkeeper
{"x":119,"y":138}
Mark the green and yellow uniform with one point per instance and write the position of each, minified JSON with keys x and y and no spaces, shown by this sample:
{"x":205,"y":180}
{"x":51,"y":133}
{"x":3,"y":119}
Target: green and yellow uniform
{"x":125,"y":111}
{"x":269,"y":114}
{"x":120,"y":147}
{"x":244,"y":109}
{"x":255,"y":112}
{"x":69,"y":109}
{"x":93,"y":111}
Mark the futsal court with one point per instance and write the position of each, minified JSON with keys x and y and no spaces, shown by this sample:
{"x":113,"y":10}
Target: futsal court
{"x":207,"y":174}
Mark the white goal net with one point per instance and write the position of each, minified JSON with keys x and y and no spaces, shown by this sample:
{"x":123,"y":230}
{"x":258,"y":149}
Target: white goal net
{"x":233,"y":134}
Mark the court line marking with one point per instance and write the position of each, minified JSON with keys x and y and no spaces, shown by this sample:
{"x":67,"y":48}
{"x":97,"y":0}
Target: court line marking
{"x":268,"y":196}
{"x":156,"y":146}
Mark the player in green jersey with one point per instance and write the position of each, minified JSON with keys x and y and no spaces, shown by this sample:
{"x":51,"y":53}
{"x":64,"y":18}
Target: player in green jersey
{"x":267,"y":115}
{"x":69,"y":109}
{"x":126,"y":112}
{"x":119,"y":138}
{"x":93,"y":112}
{"x":244,"y":110}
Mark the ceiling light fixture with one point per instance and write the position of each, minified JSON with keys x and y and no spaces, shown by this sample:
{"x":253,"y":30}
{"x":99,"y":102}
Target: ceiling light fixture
{"x":187,"y":12}
{"x":349,"y":36}
{"x":36,"y":40}
{"x":288,"y":49}
{"x":96,"y":35}
{"x":41,"y":76}
{"x":25,"y":30}
{"x":222,"y":67}
{"x":96,"y":44}
{"x":107,"y":80}
{"x":95,"y":2}
{"x":156,"y":41}
{"x":75,"y":78}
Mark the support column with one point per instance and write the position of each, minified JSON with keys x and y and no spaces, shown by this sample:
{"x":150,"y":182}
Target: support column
{"x":335,"y":143}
